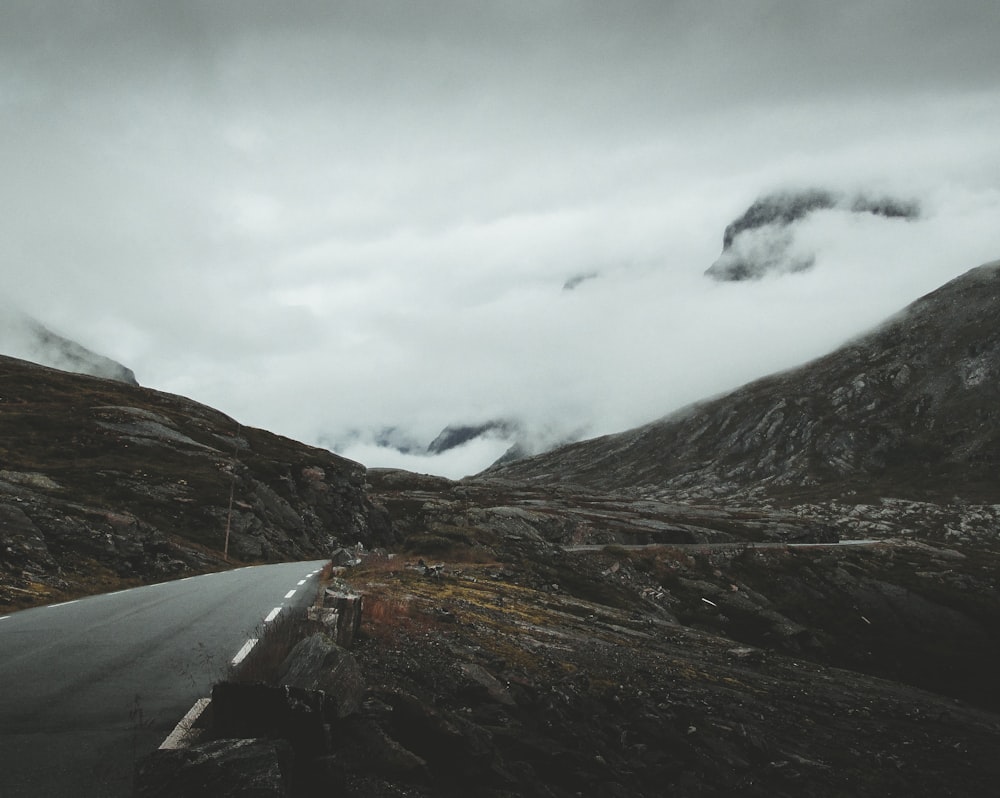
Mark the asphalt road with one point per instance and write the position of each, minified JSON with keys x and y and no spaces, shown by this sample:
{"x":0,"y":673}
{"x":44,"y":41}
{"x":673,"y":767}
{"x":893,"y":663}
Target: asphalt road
{"x":90,"y":686}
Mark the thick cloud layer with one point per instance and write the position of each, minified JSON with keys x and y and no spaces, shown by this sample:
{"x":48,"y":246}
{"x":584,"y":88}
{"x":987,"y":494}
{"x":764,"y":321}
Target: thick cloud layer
{"x":330,"y":219}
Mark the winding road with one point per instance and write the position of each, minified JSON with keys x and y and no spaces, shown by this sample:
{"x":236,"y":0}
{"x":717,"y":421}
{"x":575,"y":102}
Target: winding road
{"x":90,"y":686}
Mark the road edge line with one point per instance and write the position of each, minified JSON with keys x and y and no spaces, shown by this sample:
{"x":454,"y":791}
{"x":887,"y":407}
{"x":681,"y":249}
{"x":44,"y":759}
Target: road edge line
{"x":185,"y":730}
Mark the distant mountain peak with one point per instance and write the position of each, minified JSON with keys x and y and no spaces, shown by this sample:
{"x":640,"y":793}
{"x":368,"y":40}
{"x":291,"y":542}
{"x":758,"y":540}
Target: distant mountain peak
{"x":761,"y":240}
{"x":23,"y":337}
{"x":455,"y":435}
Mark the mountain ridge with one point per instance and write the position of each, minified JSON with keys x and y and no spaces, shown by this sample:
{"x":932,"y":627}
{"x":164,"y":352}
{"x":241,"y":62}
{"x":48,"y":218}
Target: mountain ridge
{"x":105,"y":484}
{"x":909,"y":409}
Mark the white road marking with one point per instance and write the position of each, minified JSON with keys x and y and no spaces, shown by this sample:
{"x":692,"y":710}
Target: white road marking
{"x":289,"y":594}
{"x":242,"y":653}
{"x":301,"y":582}
{"x":4,"y":618}
{"x":272,"y":615}
{"x":64,"y":604}
{"x":186,"y":728}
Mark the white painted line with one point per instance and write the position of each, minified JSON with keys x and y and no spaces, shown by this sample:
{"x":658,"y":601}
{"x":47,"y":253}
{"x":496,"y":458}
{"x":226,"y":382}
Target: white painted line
{"x":185,"y":579}
{"x":64,"y":604}
{"x":4,"y":618}
{"x":289,"y":594}
{"x":301,"y":582}
{"x":272,"y":615}
{"x":178,"y":737}
{"x":242,"y":653}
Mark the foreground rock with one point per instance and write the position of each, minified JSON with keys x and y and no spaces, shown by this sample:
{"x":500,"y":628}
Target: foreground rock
{"x":238,"y":767}
{"x":319,"y":663}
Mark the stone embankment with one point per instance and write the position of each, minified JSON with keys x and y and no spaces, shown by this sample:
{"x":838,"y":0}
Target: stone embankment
{"x":262,"y":739}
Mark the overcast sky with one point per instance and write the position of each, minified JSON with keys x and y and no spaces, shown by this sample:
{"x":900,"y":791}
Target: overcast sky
{"x":327,"y":218}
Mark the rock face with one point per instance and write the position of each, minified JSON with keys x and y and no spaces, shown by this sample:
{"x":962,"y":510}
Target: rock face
{"x":102,"y":483}
{"x":761,"y":241}
{"x":910,"y":411}
{"x":453,"y":436}
{"x":318,"y":663}
{"x":24,"y":337}
{"x":252,"y":768}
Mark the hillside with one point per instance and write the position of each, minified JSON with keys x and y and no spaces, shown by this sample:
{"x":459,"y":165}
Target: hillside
{"x":910,"y":411}
{"x":104,"y":484}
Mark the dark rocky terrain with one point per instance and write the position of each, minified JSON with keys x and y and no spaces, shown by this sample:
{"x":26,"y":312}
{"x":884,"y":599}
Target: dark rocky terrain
{"x":521,"y":667}
{"x":104,"y":484}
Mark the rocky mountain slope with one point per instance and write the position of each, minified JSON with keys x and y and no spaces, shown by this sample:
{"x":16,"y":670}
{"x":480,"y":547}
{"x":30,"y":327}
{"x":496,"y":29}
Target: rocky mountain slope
{"x":24,"y":337}
{"x":909,"y":411}
{"x":103,"y":483}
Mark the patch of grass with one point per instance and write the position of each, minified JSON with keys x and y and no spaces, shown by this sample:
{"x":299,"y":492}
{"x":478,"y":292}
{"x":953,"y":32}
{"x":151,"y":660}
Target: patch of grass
{"x":389,"y":616}
{"x":449,"y":542}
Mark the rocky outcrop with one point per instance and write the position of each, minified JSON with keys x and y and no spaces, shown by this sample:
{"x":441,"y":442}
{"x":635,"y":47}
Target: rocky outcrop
{"x":761,"y":241}
{"x":103,"y":483}
{"x":319,"y":663}
{"x":909,"y":411}
{"x":455,"y":435}
{"x":238,"y":767}
{"x":432,"y":514}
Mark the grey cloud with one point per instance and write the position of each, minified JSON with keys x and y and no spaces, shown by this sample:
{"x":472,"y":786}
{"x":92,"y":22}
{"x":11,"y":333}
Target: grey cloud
{"x":325,"y":217}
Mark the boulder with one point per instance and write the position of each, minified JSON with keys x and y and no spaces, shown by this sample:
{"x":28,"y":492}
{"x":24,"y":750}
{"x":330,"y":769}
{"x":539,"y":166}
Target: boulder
{"x":318,"y":663}
{"x":288,"y":713}
{"x":249,"y":768}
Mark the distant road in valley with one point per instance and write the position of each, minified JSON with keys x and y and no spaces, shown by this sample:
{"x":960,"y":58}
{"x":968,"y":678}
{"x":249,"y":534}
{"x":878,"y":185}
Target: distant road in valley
{"x":88,"y":687}
{"x":707,"y":547}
